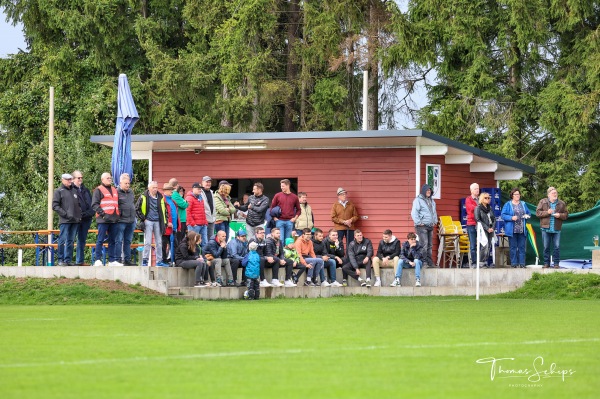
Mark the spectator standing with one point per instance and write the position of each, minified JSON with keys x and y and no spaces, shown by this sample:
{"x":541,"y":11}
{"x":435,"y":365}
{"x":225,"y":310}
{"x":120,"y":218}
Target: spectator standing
{"x":169,"y":242}
{"x":252,"y":273}
{"x":187,"y":256}
{"x":196,"y":212}
{"x":236,"y":250}
{"x":552,"y":212}
{"x":209,"y":205}
{"x":410,"y":257}
{"x":484,"y":214}
{"x":344,"y":216}
{"x":425,"y":217}
{"x":87,"y":213}
{"x":151,"y":211}
{"x":105,"y":202}
{"x":256,"y":209}
{"x":360,"y":252}
{"x":388,"y":254}
{"x":290,"y":209}
{"x":65,"y":203}
{"x":178,"y":197}
{"x":306,"y":220}
{"x":515,"y":214}
{"x":308,"y":258}
{"x":471,"y":203}
{"x":126,"y":224}
{"x":224,"y":207}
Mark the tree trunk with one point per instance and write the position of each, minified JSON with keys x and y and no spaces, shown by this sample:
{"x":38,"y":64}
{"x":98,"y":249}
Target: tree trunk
{"x":373,"y":67}
{"x":226,"y":119}
{"x":292,"y":70}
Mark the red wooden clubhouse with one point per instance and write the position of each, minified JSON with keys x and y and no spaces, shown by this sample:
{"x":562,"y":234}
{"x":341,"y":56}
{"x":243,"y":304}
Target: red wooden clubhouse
{"x":378,"y":168}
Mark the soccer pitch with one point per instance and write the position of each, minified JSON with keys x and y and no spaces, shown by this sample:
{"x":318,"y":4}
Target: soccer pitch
{"x":351,"y":347}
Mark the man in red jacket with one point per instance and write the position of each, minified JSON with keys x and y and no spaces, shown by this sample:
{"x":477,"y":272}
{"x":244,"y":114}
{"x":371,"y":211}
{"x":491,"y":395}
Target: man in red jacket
{"x":195,"y":213}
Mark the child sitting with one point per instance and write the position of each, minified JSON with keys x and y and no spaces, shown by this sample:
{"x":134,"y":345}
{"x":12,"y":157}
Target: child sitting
{"x":289,"y":251}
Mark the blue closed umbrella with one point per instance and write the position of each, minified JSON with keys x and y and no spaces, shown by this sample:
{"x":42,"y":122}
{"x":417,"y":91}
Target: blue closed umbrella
{"x":127,"y":116}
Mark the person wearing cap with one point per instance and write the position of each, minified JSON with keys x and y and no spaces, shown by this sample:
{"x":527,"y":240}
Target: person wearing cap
{"x":182,"y":205}
{"x":289,"y":205}
{"x":209,"y":205}
{"x":196,"y":212}
{"x":105,"y":202}
{"x":290,"y":253}
{"x":84,"y":196}
{"x":65,"y":203}
{"x":224,"y":208}
{"x":344,"y":216}
{"x":152,"y":212}
{"x":236,"y":250}
{"x":169,"y":242}
{"x":306,"y":220}
{"x":126,"y":224}
{"x":257,"y":209}
{"x":425,"y":217}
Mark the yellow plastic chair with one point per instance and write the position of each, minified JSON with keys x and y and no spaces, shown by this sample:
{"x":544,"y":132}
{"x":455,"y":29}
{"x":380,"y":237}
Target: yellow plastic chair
{"x":448,"y":252}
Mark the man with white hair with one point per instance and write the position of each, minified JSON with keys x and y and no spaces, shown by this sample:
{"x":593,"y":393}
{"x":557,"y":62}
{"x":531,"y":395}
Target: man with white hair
{"x":552,"y":212}
{"x":471,"y":203}
{"x":105,"y":202}
{"x":151,"y":211}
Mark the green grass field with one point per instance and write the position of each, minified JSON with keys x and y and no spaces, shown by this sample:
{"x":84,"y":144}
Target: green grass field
{"x":352,"y":347}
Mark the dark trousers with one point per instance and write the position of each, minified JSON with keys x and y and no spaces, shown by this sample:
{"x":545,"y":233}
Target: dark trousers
{"x":354,"y":273}
{"x":276,"y":265}
{"x":210,"y":272}
{"x":181,"y":233}
{"x":200,"y":268}
{"x":167,"y":249}
{"x":425,"y":234}
{"x":106,"y":231}
{"x":253,"y":286}
{"x":349,"y":234}
{"x":82,"y":232}
{"x":235,"y":265}
{"x":300,"y":267}
{"x":472,"y":231}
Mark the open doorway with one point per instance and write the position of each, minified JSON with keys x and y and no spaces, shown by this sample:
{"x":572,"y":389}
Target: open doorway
{"x":244,"y":186}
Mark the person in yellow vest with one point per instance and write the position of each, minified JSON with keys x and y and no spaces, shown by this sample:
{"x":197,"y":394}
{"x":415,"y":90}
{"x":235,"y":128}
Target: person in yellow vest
{"x":152,"y":213}
{"x":105,"y":202}
{"x":306,"y":220}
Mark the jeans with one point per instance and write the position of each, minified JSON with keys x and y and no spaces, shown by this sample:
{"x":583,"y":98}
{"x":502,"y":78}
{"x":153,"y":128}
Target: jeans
{"x":66,"y":240}
{"x":202,"y":230}
{"x":223,"y":226}
{"x":472,"y":232}
{"x":152,"y":228}
{"x":105,"y":229}
{"x":555,"y":239}
{"x":286,"y":227}
{"x":516,"y":245}
{"x":402,"y":264}
{"x":317,"y":264}
{"x":123,"y":238}
{"x":349,"y":236}
{"x":82,"y":232}
{"x":425,"y":234}
{"x":331,"y":265}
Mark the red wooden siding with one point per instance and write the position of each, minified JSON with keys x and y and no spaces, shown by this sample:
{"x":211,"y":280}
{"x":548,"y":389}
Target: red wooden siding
{"x":380,"y":182}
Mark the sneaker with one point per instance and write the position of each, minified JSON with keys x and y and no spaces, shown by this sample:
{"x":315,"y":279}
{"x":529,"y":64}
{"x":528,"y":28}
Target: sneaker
{"x":162,"y":264}
{"x":265,"y":284}
{"x":98,"y":263}
{"x":362,"y":282}
{"x":215,"y":284}
{"x":61,"y":263}
{"x":129,"y":263}
{"x":336,"y":284}
{"x":368,"y":282}
{"x":115,"y":263}
{"x":377,"y":283}
{"x":418,"y":283}
{"x":315,"y":284}
{"x":145,"y":262}
{"x":295,"y":278}
{"x":395,"y":283}
{"x":308,"y":283}
{"x":289,"y":283}
{"x":200,"y":284}
{"x":325,"y":284}
{"x":219,"y":282}
{"x":276,"y":283}
{"x":230,"y":283}
{"x":344,"y":283}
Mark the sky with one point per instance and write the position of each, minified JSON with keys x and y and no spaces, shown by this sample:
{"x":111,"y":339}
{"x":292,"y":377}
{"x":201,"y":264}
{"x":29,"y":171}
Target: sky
{"x":11,"y":37}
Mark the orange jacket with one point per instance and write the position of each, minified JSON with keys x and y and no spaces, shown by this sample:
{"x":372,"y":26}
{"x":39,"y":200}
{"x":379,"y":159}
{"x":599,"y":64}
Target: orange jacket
{"x":304,"y":248}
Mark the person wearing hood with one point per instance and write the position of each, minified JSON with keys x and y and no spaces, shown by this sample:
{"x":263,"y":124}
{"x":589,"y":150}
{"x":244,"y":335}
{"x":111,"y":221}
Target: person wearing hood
{"x":425,"y":218}
{"x":484,"y":214}
{"x":388,"y":254}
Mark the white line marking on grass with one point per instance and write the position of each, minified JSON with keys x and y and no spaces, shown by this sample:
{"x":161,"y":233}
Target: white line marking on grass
{"x":32,"y":319}
{"x":277,"y":352}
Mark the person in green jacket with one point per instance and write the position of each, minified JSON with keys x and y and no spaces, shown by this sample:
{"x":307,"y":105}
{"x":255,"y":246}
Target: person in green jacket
{"x":178,"y":198}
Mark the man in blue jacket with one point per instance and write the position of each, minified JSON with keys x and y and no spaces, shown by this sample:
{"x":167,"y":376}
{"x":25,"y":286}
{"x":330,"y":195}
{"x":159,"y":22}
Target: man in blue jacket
{"x":236,"y":250}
